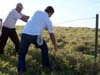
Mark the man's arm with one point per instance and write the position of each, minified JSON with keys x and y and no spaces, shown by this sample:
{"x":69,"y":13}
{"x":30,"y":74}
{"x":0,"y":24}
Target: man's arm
{"x":24,"y":18}
{"x":53,"y":39}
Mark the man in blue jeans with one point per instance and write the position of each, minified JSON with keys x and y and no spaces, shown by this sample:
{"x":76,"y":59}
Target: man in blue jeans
{"x":32,"y":34}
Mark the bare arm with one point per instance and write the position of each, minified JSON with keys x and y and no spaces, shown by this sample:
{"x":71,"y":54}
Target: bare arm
{"x":24,"y":18}
{"x":52,"y":36}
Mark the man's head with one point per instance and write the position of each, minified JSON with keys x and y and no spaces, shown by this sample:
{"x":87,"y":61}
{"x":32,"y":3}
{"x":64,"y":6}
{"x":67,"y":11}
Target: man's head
{"x":19,"y":7}
{"x":49,"y":10}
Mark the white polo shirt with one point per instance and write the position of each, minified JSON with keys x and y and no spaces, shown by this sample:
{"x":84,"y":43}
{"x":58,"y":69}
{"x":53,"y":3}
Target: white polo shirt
{"x":39,"y":21}
{"x":12,"y":18}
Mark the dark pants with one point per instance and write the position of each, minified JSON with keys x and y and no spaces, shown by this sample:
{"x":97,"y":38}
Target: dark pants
{"x":26,"y":40}
{"x":11,"y":33}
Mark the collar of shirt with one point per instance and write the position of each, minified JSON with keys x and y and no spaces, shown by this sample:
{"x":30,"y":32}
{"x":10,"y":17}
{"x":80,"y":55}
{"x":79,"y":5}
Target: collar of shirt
{"x":46,"y":14}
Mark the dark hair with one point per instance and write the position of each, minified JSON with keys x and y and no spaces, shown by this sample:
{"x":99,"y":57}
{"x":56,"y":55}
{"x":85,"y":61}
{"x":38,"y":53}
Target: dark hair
{"x":49,"y":9}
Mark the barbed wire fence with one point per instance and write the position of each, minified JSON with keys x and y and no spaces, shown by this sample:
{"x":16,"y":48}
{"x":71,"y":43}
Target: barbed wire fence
{"x":96,"y":24}
{"x":78,"y":22}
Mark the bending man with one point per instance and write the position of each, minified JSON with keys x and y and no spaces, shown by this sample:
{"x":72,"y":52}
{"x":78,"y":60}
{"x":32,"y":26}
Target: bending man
{"x":32,"y":34}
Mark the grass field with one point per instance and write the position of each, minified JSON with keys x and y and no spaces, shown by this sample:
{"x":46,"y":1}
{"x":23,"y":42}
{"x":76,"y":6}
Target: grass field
{"x":75,"y":54}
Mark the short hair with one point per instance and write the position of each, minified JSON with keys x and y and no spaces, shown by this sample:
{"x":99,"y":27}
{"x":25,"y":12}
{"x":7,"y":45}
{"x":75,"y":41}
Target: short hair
{"x":49,"y":9}
{"x":19,"y":5}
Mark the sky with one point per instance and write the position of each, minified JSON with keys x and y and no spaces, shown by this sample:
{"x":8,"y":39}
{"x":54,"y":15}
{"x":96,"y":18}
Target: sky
{"x":68,"y":13}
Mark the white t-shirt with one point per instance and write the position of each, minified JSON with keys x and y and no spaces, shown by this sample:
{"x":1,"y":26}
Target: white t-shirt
{"x":39,"y":21}
{"x":12,"y":18}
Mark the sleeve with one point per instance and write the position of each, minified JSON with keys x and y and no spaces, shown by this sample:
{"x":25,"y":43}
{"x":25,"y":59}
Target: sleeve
{"x":21,"y":14}
{"x":49,"y":25}
{"x":17,"y":15}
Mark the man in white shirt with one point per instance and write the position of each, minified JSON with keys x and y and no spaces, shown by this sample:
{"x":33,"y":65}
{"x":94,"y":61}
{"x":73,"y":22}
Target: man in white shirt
{"x":9,"y":30}
{"x":32,"y":34}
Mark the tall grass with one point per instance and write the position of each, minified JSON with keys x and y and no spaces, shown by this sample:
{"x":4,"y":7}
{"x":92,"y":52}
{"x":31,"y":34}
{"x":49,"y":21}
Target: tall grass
{"x":75,"y":54}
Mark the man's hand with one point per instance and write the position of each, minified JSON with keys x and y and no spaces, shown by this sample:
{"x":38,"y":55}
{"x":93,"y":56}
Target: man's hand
{"x":24,"y":18}
{"x":52,"y":36}
{"x":55,"y":48}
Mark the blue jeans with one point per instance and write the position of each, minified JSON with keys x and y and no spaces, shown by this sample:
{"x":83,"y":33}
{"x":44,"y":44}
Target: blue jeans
{"x":26,"y":40}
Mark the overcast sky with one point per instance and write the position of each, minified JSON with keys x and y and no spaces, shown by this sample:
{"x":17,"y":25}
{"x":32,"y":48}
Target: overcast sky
{"x":69,"y":13}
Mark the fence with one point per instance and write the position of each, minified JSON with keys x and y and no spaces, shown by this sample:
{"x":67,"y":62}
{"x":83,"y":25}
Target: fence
{"x":96,"y":37}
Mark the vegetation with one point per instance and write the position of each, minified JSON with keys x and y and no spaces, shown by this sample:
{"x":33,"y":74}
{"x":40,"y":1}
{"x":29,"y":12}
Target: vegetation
{"x":75,"y":54}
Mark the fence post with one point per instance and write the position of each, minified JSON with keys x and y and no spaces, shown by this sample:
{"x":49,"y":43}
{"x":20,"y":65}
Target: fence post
{"x":96,"y":37}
